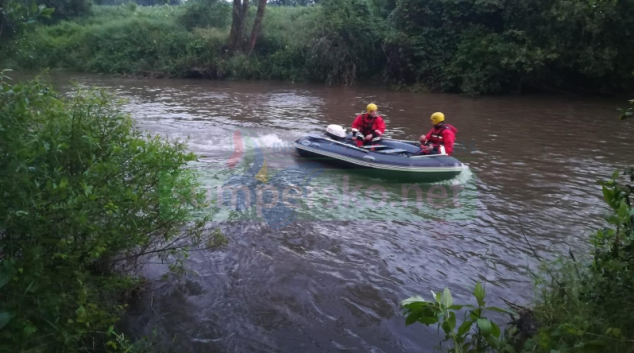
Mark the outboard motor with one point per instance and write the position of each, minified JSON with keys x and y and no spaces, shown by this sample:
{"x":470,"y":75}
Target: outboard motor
{"x":336,"y":132}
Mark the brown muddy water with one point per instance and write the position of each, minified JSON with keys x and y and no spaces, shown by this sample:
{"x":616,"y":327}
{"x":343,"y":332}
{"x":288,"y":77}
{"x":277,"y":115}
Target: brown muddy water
{"x":331,"y":280}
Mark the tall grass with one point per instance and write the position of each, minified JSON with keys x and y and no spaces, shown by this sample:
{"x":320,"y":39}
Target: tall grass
{"x":160,"y":41}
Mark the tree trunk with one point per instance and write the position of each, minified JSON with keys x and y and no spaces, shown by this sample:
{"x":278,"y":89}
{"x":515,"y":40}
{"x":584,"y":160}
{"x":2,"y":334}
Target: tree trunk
{"x":239,"y":16}
{"x":2,"y":22}
{"x":257,"y":25}
{"x":243,"y":15}
{"x":235,"y":22}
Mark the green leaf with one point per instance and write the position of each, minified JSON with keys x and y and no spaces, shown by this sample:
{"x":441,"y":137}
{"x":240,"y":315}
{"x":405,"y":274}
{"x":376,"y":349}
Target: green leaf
{"x":452,"y":320}
{"x":4,"y":319}
{"x":81,"y":314}
{"x":47,"y":12}
{"x":624,"y":211}
{"x":428,"y":320}
{"x":608,"y":195}
{"x":436,"y":296}
{"x":495,"y":330}
{"x":485,"y":326}
{"x":573,"y":330}
{"x":465,"y":327}
{"x":446,"y":327}
{"x":479,"y":293}
{"x":446,"y":298}
{"x":614,"y":332}
{"x":414,"y":299}
{"x":29,"y":330}
{"x":615,"y":174}
{"x":492,"y":341}
{"x":412,"y":318}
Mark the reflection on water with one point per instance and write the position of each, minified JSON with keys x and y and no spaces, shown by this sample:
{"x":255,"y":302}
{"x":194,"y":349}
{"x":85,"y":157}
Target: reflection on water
{"x":332,"y":281}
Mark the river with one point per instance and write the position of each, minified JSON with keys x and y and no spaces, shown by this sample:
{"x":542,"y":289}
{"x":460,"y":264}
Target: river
{"x":332,"y":283}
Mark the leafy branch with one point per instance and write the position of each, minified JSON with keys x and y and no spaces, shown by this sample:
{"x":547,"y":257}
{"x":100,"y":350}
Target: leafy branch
{"x":476,"y":334}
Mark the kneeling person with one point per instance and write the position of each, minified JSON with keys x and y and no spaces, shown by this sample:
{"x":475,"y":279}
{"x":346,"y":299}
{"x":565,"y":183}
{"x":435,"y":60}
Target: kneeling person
{"x":369,"y":127}
{"x":440,"y":138}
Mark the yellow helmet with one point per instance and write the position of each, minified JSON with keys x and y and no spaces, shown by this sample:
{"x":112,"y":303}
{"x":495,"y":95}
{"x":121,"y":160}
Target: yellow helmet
{"x":437,"y":118}
{"x":372,"y":107}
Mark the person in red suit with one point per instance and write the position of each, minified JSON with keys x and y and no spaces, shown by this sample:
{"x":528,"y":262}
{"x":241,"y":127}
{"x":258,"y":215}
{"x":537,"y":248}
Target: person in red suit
{"x":441,"y":134}
{"x":368,"y":128}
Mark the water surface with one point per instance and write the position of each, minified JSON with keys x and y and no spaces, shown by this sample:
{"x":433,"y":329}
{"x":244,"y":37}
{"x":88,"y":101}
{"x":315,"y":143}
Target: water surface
{"x":335,"y":285}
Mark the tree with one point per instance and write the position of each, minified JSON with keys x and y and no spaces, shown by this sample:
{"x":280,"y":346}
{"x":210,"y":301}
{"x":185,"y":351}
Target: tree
{"x":238,"y":18}
{"x":16,"y":15}
{"x":257,"y":25}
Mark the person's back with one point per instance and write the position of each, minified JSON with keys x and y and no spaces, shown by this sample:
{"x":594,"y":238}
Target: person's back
{"x":368,"y":128}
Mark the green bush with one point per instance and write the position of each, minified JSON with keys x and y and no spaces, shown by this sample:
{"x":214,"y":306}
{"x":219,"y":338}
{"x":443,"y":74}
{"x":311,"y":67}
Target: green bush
{"x":475,"y":334}
{"x":85,"y":198}
{"x":345,"y":42}
{"x":129,"y":45}
{"x":206,"y":14}
{"x":18,"y":15}
{"x":486,"y":62}
{"x":481,"y":47}
{"x":496,"y":46}
{"x":65,"y":9}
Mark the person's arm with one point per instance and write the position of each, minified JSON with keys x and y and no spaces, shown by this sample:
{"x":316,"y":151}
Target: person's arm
{"x":448,"y":138}
{"x":425,"y":138}
{"x":356,"y":124}
{"x":380,"y":125}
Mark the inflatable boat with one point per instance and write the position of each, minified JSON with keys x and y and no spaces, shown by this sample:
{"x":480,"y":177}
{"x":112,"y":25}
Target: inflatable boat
{"x":394,"y":159}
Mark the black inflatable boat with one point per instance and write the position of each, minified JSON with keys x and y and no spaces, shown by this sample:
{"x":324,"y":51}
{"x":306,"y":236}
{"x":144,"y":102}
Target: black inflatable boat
{"x":394,"y":159}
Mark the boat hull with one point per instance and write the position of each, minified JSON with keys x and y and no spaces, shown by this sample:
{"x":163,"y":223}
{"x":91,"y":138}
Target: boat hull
{"x":402,"y":166}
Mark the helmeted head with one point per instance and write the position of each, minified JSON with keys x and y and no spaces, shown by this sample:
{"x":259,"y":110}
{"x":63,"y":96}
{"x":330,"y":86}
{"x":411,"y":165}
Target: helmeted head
{"x":437,"y":118}
{"x":371,"y":109}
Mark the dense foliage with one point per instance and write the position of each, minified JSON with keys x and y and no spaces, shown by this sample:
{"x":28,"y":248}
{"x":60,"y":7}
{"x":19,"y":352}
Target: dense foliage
{"x":206,"y":14}
{"x":64,"y":9}
{"x":86,"y":198}
{"x":490,"y":46}
{"x":475,"y":333}
{"x":17,"y":16}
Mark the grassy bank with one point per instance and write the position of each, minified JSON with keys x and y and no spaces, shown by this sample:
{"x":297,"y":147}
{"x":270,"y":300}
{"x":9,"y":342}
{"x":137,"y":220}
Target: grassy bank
{"x":453,"y":46}
{"x":161,"y":42}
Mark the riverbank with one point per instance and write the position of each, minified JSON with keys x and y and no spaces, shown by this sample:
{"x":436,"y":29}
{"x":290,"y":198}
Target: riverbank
{"x":474,"y":49}
{"x":87,"y":200}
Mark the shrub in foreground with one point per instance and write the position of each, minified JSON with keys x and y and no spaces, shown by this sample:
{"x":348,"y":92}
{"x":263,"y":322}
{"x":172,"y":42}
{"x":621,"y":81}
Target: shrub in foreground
{"x":83,"y":204}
